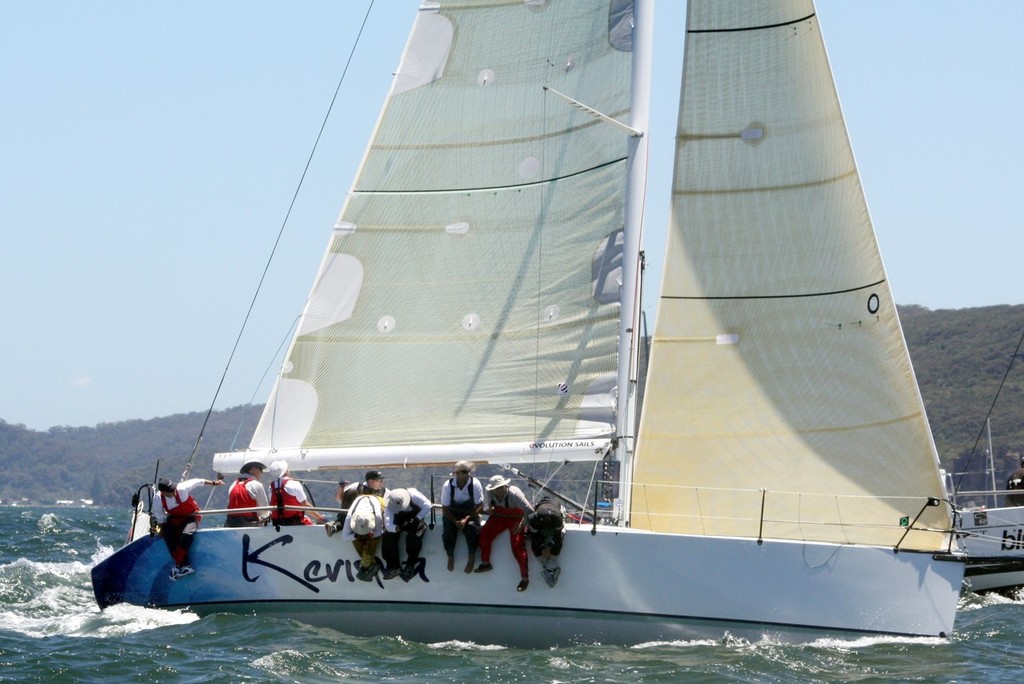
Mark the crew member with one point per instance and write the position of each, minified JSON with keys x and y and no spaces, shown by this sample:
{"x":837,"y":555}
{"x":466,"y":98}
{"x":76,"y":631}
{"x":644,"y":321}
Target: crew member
{"x":248,"y":492}
{"x":287,"y":494}
{"x":178,"y":515}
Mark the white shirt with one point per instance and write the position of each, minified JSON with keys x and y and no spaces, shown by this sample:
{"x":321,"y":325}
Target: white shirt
{"x":415,"y":498}
{"x":462,"y":497}
{"x":183,"y":489}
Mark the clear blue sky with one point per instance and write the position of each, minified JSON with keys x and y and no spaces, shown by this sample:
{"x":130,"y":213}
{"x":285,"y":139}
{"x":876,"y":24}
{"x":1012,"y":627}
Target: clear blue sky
{"x":149,"y":152}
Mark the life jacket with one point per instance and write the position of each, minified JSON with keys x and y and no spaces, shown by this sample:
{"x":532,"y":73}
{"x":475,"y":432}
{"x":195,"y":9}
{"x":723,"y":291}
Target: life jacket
{"x":240,"y":497}
{"x":181,"y":509}
{"x":280,"y":497}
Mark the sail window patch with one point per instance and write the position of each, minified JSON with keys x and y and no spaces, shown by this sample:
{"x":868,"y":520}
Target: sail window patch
{"x":752,"y":134}
{"x":427,"y":53}
{"x":529,"y":168}
{"x":485,"y":77}
{"x":386,"y":324}
{"x":730,"y":338}
{"x":470,"y":322}
{"x":873,"y":304}
{"x":460,"y":228}
{"x":620,"y":25}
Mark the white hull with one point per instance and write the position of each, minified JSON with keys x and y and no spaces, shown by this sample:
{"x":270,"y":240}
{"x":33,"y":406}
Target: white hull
{"x":994,"y":542}
{"x":618,"y":586}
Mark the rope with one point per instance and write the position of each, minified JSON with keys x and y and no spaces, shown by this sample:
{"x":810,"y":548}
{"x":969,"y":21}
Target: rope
{"x":988,"y":415}
{"x":277,"y":242}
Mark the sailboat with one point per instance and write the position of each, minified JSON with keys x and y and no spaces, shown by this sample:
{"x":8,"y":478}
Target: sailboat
{"x":479,"y":300}
{"x":992,"y":537}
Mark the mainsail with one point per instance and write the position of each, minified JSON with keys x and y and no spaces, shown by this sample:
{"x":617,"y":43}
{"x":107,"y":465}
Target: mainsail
{"x":781,"y":401}
{"x":468,"y":302}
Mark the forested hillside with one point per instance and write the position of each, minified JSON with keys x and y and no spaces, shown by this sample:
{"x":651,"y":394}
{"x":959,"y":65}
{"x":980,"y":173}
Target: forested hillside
{"x":960,"y":356}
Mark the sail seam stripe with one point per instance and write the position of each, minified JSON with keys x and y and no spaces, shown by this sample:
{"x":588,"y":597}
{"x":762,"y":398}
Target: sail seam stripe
{"x":752,"y":28}
{"x":492,"y":187}
{"x":767,"y":188}
{"x":497,"y":142}
{"x":778,"y":296}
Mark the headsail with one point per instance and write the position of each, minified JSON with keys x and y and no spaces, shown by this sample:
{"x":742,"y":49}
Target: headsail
{"x":468,"y":302}
{"x":780,"y":400}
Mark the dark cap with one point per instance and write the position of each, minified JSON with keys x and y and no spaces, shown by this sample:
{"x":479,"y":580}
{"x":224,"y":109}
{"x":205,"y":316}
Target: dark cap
{"x":165,"y":486}
{"x":374,"y":475}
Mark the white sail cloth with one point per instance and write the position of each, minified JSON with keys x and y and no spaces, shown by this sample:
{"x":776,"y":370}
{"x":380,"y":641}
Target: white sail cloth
{"x":781,"y":400}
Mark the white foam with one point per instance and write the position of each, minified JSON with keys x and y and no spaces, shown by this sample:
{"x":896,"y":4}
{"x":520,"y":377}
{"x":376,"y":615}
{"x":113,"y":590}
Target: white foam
{"x":457,"y":645}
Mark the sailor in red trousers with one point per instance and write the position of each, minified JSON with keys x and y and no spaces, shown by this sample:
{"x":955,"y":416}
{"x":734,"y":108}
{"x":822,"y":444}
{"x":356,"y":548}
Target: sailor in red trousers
{"x":178,"y":515}
{"x":507,"y":508}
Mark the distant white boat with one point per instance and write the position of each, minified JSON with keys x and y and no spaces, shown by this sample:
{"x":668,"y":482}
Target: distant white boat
{"x":994,"y":541}
{"x":478,"y":299}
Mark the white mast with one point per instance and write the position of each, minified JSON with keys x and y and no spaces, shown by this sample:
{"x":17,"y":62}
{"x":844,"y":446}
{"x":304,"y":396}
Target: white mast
{"x":640,"y":95}
{"x":991,"y":463}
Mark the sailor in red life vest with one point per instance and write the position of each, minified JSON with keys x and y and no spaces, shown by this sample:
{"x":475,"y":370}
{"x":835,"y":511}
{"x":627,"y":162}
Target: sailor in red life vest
{"x":284,"y":491}
{"x":248,"y":492}
{"x":178,"y":515}
{"x":507,"y":508}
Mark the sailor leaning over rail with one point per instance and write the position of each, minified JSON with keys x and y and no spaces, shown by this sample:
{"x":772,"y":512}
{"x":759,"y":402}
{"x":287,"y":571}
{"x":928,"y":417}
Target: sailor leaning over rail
{"x":364,"y":527}
{"x":347,"y":493}
{"x":178,"y":516}
{"x":545,"y":528}
{"x":406,"y":513}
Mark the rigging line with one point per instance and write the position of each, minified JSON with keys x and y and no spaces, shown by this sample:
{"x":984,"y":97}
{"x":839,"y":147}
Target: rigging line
{"x":277,"y":242}
{"x":542,"y":199}
{"x":779,"y":296}
{"x":266,"y":372}
{"x":981,"y":432}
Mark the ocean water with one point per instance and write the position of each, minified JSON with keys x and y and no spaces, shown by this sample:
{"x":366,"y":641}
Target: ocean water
{"x":52,"y":631}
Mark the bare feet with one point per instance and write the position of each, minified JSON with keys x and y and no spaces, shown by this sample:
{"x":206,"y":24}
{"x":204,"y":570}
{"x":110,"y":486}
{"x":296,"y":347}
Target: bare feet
{"x":451,"y":563}
{"x":470,"y":563}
